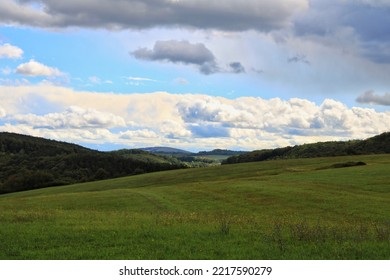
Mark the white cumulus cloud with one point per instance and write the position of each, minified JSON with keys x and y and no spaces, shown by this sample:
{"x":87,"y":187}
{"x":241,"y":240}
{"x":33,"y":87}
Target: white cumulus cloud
{"x":34,"y":68}
{"x":10,"y":51}
{"x":73,"y":117}
{"x":141,"y":133}
{"x":191,"y":121}
{"x":2,"y":113}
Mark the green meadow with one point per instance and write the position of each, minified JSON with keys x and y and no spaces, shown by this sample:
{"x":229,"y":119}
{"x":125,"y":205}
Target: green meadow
{"x":279,"y":209}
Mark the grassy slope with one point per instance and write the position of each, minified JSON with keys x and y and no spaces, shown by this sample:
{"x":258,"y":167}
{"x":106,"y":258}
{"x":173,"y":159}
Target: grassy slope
{"x":286,"y":209}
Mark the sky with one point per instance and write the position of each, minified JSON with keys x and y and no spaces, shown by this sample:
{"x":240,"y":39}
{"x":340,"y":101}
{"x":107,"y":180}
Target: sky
{"x":195,"y":75}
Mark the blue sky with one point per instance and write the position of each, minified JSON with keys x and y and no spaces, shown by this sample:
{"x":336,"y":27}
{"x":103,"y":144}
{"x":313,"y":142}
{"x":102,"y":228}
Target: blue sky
{"x":195,"y":74}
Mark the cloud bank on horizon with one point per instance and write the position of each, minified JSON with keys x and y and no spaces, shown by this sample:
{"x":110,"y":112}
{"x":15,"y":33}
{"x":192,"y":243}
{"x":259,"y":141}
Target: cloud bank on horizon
{"x":195,"y":74}
{"x":186,"y":120}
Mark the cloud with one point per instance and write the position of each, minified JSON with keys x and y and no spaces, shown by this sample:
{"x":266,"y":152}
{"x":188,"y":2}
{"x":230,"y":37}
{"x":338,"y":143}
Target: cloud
{"x":9,"y":51}
{"x":2,"y":113}
{"x":237,"y":67}
{"x":209,"y":68}
{"x":184,"y":52}
{"x":180,"y":52}
{"x":140,"y":79}
{"x":372,"y":3}
{"x":211,"y":110}
{"x":190,"y":121}
{"x":6,"y":71}
{"x":279,"y":117}
{"x":34,"y":68}
{"x":74,"y":118}
{"x":14,"y":82}
{"x":94,"y":80}
{"x":299,"y":58}
{"x":177,"y":51}
{"x":141,"y":133}
{"x":175,"y":128}
{"x":82,"y":136}
{"x":260,"y":15}
{"x":205,"y":130}
{"x":181,"y":81}
{"x":21,"y":13}
{"x":356,"y":25}
{"x":370,"y":97}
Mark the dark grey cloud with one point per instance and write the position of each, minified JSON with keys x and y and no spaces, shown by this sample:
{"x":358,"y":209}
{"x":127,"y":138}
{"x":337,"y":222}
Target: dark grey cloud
{"x":370,"y":22}
{"x":237,"y":67}
{"x":378,"y":52}
{"x":367,"y":19}
{"x":176,"y":51}
{"x":262,"y":15}
{"x":369,"y":97}
{"x":209,"y":68}
{"x":180,"y":52}
{"x":323,"y":18}
{"x":187,"y":53}
{"x":15,"y":12}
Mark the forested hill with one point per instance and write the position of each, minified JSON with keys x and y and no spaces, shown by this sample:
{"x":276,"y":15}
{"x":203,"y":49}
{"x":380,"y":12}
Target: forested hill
{"x":379,"y":144}
{"x":28,"y":162}
{"x":13,"y":143}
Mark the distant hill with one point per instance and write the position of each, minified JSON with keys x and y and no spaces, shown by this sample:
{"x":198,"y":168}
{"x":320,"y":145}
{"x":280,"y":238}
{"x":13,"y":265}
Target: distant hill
{"x":174,"y":151}
{"x":379,"y":144}
{"x":200,"y":159}
{"x":28,"y":162}
{"x":221,"y":152}
{"x":164,"y":150}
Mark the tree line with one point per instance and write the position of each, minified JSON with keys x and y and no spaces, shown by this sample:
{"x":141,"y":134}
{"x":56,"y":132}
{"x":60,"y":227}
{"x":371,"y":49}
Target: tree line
{"x":379,"y":144}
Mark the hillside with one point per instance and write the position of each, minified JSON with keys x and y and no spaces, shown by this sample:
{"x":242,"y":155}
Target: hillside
{"x":145,"y":156}
{"x":12,"y":143}
{"x":28,"y":162}
{"x":379,"y":144}
{"x":286,"y":209}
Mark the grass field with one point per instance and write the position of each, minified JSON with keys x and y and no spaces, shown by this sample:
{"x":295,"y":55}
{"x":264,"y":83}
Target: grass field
{"x":284,"y":209}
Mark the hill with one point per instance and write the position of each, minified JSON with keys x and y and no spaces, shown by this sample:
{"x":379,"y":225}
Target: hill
{"x":379,"y":144}
{"x":165,"y":150}
{"x":173,"y":151}
{"x":221,"y":152}
{"x":285,"y":209}
{"x":28,"y":162}
{"x":199,"y":159}
{"x":144,"y":156}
